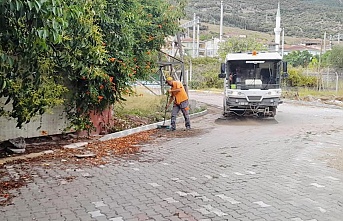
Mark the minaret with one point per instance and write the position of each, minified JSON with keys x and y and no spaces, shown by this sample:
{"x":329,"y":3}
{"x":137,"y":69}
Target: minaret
{"x":277,"y":29}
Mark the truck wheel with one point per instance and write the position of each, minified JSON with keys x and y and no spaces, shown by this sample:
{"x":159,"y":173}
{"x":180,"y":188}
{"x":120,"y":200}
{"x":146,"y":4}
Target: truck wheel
{"x":273,"y":111}
{"x":260,"y":115}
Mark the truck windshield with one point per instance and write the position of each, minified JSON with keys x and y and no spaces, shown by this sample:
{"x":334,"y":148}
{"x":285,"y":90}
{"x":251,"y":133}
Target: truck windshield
{"x":263,"y":75}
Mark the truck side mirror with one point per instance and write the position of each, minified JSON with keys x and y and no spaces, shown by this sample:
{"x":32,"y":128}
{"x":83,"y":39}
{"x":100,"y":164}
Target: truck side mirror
{"x":222,"y":75}
{"x":222,"y":68}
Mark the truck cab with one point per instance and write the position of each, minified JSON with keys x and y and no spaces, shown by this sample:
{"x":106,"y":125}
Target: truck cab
{"x":252,"y":83}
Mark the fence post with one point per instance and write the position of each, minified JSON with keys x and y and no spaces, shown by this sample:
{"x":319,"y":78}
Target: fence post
{"x":336,"y":82}
{"x":327,"y":79}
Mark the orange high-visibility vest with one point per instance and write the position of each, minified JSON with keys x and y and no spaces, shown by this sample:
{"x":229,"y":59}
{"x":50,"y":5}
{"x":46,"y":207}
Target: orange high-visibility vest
{"x":181,"y":95}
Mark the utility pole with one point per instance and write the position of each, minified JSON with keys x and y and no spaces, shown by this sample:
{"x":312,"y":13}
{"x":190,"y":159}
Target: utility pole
{"x":194,"y":20}
{"x":193,"y":24}
{"x":319,"y":80}
{"x":221,"y":21}
{"x":324,"y":49}
{"x":184,"y":77}
{"x":283,"y":42}
{"x":198,"y":36}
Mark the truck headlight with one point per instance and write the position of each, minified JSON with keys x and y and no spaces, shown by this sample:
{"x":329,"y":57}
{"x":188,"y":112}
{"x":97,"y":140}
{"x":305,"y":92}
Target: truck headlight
{"x":232,"y":93}
{"x":273,"y":93}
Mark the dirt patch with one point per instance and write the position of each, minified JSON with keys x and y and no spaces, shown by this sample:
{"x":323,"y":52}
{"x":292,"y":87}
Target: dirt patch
{"x":310,"y":99}
{"x":244,"y":121}
{"x":179,"y":133}
{"x":334,"y":158}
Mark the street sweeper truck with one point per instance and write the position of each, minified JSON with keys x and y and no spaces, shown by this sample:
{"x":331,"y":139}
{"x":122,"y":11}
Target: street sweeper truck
{"x":252,"y":83}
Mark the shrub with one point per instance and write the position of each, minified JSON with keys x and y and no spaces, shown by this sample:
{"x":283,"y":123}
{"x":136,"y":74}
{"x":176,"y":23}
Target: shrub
{"x":296,"y":78}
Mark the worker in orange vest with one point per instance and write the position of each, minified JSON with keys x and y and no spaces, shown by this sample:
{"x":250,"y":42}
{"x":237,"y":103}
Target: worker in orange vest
{"x":179,"y":96}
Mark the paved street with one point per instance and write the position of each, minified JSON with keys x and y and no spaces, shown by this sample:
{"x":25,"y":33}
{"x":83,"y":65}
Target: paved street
{"x":242,"y":169}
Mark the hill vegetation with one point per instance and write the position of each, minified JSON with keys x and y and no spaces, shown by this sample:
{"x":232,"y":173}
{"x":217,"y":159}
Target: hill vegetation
{"x":300,"y":18}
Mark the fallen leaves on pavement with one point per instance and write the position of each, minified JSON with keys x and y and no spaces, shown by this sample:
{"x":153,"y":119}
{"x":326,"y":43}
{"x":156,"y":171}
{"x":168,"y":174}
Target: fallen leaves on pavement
{"x":103,"y":150}
{"x":14,"y":183}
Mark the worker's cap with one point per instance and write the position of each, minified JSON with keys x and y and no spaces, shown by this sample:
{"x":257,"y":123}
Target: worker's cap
{"x":169,"y":79}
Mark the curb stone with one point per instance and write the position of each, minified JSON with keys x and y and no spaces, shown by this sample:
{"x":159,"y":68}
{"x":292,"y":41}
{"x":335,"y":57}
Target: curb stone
{"x":104,"y":138}
{"x":144,"y":128}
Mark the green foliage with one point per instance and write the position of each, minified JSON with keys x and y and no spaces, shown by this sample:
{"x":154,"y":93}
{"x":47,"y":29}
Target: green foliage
{"x":139,"y":109}
{"x":296,"y":78}
{"x":92,"y":49}
{"x":235,"y":45}
{"x":324,"y":59}
{"x":299,"y":58}
{"x":205,"y":73}
{"x":207,"y":36}
{"x":336,"y":56}
{"x":28,"y":80}
{"x":314,"y":64}
{"x":80,"y":58}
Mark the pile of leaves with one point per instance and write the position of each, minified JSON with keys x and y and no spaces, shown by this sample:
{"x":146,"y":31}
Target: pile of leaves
{"x":6,"y":187}
{"x":100,"y":152}
{"x":103,"y":151}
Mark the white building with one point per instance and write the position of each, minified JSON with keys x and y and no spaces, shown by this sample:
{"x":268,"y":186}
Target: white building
{"x":211,"y":47}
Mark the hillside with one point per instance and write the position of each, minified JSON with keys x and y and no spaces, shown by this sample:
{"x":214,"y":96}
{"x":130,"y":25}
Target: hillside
{"x":212,"y":31}
{"x":300,"y":18}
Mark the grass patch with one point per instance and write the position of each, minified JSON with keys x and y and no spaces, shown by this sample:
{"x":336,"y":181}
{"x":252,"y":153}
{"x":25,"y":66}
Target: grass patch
{"x":143,"y":108}
{"x":142,"y":104}
{"x":308,"y":93}
{"x":139,"y":109}
{"x":303,"y":92}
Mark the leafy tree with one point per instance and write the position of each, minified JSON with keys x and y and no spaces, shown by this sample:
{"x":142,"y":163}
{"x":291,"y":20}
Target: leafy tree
{"x":81,"y":58}
{"x":336,"y":56}
{"x":235,"y":44}
{"x":299,"y":58}
{"x":28,"y":80}
{"x":130,"y":32}
{"x":92,"y":49}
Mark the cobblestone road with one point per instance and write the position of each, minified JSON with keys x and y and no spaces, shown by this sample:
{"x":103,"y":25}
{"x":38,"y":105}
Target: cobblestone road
{"x":230,"y":170}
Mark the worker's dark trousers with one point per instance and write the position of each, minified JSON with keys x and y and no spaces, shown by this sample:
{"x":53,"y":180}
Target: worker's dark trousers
{"x":184,"y":107}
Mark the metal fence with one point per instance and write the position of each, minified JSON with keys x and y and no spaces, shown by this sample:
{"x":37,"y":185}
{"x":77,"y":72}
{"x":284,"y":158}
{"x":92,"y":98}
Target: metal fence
{"x":330,"y":80}
{"x":327,"y":80}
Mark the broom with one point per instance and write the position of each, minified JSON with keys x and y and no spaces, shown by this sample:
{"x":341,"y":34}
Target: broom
{"x":163,"y":126}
